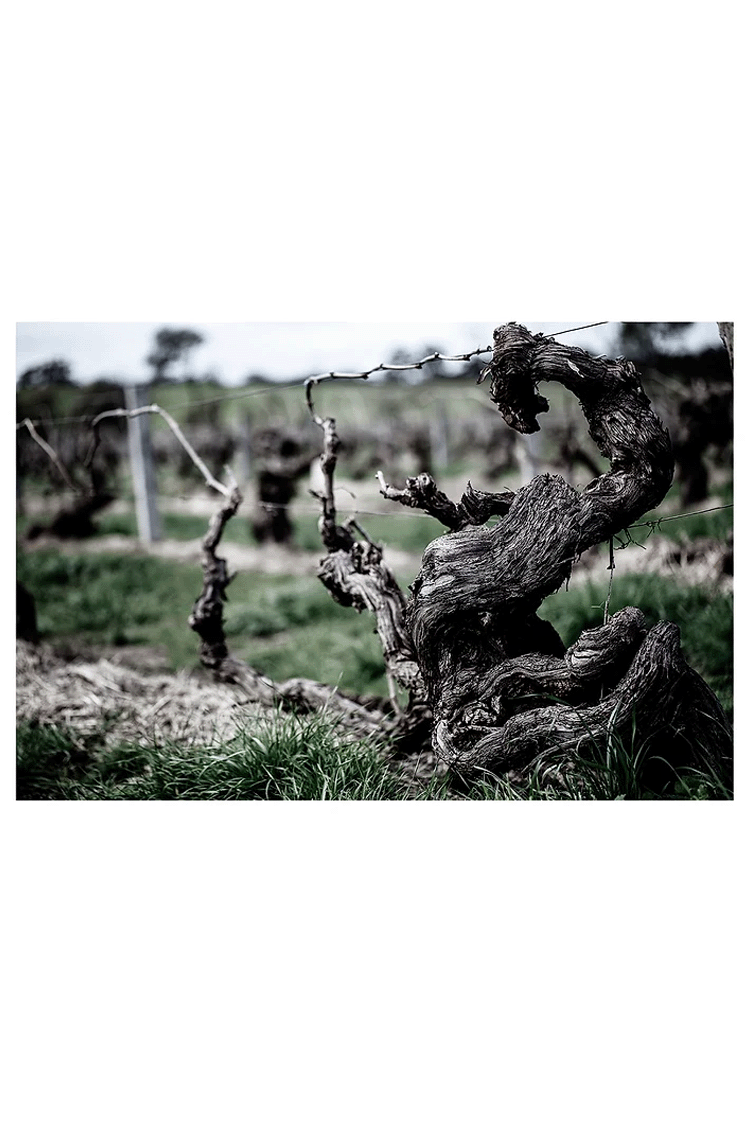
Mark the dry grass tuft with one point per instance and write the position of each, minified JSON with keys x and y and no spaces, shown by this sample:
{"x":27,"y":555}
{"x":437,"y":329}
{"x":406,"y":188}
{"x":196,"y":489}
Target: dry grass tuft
{"x":129,"y":706}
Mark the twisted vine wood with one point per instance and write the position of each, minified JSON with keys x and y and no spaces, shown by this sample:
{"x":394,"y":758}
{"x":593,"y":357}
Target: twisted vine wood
{"x":505,"y":694}
{"x":489,"y":681}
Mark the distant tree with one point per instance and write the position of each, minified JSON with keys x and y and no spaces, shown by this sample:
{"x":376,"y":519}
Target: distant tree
{"x":693,"y":394}
{"x":56,"y":372}
{"x":208,"y":379}
{"x":171,"y":345}
{"x":399,"y":357}
{"x":103,"y":394}
{"x":643,"y":341}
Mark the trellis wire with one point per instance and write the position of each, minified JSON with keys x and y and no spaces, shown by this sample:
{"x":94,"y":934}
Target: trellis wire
{"x":666,"y":519}
{"x":424,"y":515}
{"x":313,"y":380}
{"x":418,"y":365}
{"x":433,"y":357}
{"x":179,"y":406}
{"x":653,"y":525}
{"x":565,"y":331}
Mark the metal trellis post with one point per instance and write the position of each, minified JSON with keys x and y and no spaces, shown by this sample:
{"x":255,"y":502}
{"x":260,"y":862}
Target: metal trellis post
{"x":142,"y":467}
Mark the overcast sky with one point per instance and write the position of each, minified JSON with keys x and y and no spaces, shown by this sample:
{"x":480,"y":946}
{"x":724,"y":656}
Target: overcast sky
{"x":276,"y":349}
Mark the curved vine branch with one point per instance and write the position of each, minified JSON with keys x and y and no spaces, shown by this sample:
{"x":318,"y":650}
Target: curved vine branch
{"x":491,"y":680}
{"x":488,"y":662}
{"x":354,"y":572}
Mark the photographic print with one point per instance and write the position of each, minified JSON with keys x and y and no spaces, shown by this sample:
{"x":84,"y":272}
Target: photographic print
{"x":374,"y":562}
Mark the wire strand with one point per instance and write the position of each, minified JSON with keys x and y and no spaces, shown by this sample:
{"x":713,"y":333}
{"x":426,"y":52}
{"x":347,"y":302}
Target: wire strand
{"x":179,"y":406}
{"x":682,"y":516}
{"x":416,"y":366}
{"x":565,"y":331}
{"x":299,"y":509}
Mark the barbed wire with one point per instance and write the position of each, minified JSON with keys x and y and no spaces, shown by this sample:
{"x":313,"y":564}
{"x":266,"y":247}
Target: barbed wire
{"x":433,"y":357}
{"x":310,"y":380}
{"x":308,"y":384}
{"x":655,"y":525}
{"x":684,"y":515}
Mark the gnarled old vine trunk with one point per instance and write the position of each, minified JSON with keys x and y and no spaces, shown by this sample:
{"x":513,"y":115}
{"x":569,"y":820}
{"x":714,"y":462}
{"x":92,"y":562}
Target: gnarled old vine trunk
{"x":505,"y":693}
{"x":486,"y":679}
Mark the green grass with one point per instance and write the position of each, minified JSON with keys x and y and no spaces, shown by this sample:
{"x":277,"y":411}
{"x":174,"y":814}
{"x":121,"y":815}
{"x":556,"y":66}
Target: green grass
{"x":407,"y":532}
{"x":289,"y":626}
{"x":404,"y":531}
{"x":301,"y":758}
{"x":175,"y":525}
{"x":632,"y":767}
{"x":284,"y":626}
{"x":352,"y":404}
{"x":113,"y":600}
{"x":715,"y":524}
{"x":288,"y":757}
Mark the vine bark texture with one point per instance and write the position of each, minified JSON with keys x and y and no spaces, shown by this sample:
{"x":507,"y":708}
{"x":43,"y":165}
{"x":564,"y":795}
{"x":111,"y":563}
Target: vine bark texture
{"x":505,"y":693}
